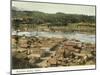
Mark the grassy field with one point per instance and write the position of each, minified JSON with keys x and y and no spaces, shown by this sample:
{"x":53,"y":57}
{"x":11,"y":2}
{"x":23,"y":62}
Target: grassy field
{"x":75,"y":27}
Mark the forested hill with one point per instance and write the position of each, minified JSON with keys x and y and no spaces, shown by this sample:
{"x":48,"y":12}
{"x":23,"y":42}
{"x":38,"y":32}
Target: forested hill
{"x":59,"y":18}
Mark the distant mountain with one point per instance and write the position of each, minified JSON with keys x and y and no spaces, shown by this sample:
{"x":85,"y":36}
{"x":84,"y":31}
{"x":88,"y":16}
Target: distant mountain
{"x":58,"y":17}
{"x":17,"y":9}
{"x":14,"y":8}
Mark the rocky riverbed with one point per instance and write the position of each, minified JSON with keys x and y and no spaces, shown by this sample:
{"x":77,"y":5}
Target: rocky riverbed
{"x":38,"y":52}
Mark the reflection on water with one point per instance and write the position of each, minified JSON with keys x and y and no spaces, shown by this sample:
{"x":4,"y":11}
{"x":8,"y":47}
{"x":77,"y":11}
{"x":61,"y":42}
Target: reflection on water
{"x":75,"y":35}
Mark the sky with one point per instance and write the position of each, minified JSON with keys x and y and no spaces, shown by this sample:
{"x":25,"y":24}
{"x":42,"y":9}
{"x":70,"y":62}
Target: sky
{"x":54,"y":8}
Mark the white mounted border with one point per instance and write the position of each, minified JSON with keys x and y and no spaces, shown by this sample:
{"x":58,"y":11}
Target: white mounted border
{"x":53,"y":69}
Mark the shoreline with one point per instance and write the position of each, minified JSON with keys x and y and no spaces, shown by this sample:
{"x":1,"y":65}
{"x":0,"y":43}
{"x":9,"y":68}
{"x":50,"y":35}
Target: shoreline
{"x":78,"y":36}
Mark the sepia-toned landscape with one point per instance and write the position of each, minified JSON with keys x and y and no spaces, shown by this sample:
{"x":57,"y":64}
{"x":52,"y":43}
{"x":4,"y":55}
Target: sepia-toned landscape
{"x":44,"y":39}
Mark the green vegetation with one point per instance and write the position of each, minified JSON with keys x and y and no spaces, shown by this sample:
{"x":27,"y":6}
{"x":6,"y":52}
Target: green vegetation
{"x":33,"y":20}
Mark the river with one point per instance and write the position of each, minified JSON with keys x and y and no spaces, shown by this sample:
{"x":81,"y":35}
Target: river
{"x":75,"y":35}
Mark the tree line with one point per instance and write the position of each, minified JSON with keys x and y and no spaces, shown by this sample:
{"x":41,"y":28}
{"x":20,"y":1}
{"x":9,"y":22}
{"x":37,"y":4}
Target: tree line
{"x":58,"y":19}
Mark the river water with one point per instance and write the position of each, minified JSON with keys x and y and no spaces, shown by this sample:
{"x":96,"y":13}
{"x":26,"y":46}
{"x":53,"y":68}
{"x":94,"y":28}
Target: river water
{"x":75,"y":35}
